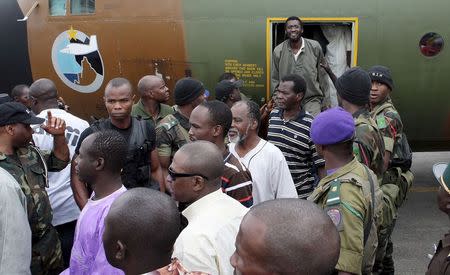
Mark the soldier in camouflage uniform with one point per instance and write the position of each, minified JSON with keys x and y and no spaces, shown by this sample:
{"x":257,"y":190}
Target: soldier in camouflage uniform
{"x":397,"y":157}
{"x":347,"y":193}
{"x":29,"y":167}
{"x":173,"y":131}
{"x":353,"y":90}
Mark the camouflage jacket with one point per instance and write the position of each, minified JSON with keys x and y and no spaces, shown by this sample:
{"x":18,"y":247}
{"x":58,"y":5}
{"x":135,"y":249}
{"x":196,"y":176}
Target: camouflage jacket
{"x":390,"y":124}
{"x":346,"y":196}
{"x":172,"y":133}
{"x":28,"y":166}
{"x":368,"y":145}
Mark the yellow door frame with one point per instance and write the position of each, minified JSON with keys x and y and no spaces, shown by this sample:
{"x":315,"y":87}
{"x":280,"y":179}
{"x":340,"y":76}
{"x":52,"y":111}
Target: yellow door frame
{"x":271,"y":20}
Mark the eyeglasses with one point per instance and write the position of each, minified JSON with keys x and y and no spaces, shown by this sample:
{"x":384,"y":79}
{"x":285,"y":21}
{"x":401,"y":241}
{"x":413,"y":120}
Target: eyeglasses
{"x":175,"y":175}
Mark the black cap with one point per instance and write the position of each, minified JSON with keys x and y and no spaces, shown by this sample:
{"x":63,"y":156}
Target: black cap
{"x":354,"y":86}
{"x":225,"y":87}
{"x":4,"y":97}
{"x":187,"y":90}
{"x":15,"y":112}
{"x":381,"y":74}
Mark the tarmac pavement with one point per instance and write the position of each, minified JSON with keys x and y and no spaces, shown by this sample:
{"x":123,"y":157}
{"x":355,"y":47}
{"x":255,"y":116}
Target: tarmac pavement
{"x":420,"y":224}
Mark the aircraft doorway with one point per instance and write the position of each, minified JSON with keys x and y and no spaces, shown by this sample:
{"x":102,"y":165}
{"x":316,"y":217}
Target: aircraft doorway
{"x":337,"y":37}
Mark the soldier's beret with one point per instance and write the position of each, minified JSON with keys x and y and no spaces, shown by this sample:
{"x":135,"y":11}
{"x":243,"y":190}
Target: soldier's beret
{"x":332,"y":126}
{"x":15,"y":112}
{"x":442,"y":173}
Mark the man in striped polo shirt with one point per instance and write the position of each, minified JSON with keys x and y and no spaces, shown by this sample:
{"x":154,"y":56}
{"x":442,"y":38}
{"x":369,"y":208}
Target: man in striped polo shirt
{"x":211,"y":121}
{"x":289,"y":127}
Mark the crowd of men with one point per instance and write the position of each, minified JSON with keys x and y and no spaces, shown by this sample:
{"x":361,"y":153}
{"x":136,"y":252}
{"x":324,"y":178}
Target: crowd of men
{"x":208,"y":187}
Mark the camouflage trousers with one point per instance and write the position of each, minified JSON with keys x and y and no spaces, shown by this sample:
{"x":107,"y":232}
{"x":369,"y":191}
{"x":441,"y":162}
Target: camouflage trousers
{"x":47,"y":254}
{"x":395,"y":187}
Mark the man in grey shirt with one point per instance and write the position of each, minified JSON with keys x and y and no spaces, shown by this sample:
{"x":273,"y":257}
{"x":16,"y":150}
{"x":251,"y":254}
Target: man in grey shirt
{"x":298,"y":55}
{"x":15,"y":233}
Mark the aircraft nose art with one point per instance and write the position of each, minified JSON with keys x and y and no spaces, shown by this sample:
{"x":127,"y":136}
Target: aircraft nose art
{"x":77,"y":61}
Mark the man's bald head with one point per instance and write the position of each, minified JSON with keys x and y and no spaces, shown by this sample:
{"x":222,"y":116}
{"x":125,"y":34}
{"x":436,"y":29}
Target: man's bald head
{"x":147,"y":83}
{"x":202,"y":157}
{"x":43,"y":89}
{"x":292,"y":234}
{"x":145,"y":223}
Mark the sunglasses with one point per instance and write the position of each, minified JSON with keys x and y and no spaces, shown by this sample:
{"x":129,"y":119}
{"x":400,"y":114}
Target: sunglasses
{"x":175,"y":175}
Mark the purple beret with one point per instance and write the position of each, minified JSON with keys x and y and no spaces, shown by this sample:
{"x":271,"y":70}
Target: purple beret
{"x":333,"y":126}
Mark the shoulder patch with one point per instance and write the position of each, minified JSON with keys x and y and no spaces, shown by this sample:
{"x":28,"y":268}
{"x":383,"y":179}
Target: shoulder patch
{"x":381,"y":121}
{"x":170,"y":124}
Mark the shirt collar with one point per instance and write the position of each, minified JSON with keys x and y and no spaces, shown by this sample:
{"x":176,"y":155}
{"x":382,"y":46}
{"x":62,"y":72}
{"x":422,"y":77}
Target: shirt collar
{"x":301,"y":114}
{"x":302,"y":48}
{"x":201,"y":204}
{"x":340,"y":172}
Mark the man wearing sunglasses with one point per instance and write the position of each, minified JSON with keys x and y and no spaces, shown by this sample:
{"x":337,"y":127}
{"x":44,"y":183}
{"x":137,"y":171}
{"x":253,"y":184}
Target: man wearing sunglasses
{"x":194,"y":177}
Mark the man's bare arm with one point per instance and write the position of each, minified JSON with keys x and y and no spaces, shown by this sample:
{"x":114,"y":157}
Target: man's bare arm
{"x":156,"y":170}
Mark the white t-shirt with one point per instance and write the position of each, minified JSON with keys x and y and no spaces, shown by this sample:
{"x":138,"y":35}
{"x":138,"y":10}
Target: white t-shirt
{"x":270,"y":172}
{"x":59,"y":191}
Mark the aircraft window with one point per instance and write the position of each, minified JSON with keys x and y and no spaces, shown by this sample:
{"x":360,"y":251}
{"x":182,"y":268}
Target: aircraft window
{"x":57,"y":7}
{"x":79,"y":7}
{"x":431,"y":44}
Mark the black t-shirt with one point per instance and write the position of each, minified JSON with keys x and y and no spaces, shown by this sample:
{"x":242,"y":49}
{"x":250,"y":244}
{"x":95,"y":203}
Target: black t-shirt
{"x":124,"y":132}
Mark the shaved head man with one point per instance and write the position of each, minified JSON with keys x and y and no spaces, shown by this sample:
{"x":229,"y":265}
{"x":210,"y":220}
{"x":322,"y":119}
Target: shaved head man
{"x":142,"y":167}
{"x":142,"y":242}
{"x":286,"y":236}
{"x":153,"y":92}
{"x":206,"y":244}
{"x":65,"y":211}
{"x":43,"y":95}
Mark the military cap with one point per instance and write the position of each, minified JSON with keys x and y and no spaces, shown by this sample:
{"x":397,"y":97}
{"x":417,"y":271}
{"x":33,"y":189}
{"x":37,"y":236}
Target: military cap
{"x":442,"y":173}
{"x":14,"y":112}
{"x":381,"y":74}
{"x":225,"y":87}
{"x":332,"y":126}
{"x":187,"y":90}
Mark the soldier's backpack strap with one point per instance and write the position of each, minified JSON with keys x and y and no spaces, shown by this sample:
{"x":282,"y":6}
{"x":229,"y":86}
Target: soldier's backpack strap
{"x":44,"y":163}
{"x":372,"y":206}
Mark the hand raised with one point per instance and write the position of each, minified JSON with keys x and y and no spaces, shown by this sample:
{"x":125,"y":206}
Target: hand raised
{"x":54,"y":126}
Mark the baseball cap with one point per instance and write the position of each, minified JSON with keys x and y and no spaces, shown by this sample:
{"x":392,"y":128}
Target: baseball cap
{"x":4,"y":97}
{"x":14,"y":112}
{"x":225,"y":87}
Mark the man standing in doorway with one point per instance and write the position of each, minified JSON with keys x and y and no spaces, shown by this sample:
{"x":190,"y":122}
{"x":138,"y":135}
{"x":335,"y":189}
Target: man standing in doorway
{"x":298,"y":55}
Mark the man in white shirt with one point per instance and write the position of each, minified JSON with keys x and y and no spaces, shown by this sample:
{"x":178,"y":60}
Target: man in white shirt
{"x":194,"y":178}
{"x":15,"y":233}
{"x":44,"y":97}
{"x":270,"y":172}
